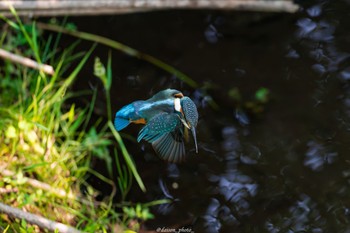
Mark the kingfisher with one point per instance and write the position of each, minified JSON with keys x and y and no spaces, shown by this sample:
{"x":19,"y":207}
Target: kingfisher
{"x":167,"y":117}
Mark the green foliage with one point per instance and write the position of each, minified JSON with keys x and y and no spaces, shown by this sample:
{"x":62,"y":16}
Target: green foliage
{"x":235,"y":94}
{"x":138,"y":212}
{"x":255,"y":104}
{"x":97,"y":144}
{"x":124,"y":178}
{"x":261,"y":98}
{"x":25,"y":228}
{"x":44,"y":137}
{"x":262,"y":95}
{"x":106,"y":78}
{"x":6,"y":229}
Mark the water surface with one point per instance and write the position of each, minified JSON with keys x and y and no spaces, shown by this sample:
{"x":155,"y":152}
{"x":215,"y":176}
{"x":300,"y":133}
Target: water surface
{"x":283,"y":169}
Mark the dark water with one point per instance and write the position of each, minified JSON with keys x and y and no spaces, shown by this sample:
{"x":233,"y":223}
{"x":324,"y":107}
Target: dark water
{"x":285,"y":169}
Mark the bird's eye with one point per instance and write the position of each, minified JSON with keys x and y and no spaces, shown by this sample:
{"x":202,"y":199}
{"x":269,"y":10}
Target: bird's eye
{"x":178,"y":95}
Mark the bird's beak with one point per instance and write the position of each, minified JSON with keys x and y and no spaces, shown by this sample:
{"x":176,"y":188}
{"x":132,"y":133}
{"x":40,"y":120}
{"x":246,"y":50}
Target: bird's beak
{"x":184,"y":122}
{"x":193,"y":130}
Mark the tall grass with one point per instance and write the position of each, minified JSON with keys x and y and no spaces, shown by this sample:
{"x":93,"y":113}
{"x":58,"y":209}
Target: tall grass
{"x":47,"y":139}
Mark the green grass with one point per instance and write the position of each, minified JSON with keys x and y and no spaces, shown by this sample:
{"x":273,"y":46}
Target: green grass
{"x":46,"y":138}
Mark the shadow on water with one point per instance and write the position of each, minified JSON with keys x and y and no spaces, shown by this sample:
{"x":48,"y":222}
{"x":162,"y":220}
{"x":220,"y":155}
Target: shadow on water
{"x":285,"y":169}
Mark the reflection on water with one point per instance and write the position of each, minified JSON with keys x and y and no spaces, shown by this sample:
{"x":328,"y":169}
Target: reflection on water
{"x":317,"y":156}
{"x":286,"y":169}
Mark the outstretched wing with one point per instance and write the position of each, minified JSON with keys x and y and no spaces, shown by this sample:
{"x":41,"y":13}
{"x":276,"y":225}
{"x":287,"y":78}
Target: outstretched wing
{"x":157,"y":126}
{"x":170,"y":147}
{"x":165,"y":133}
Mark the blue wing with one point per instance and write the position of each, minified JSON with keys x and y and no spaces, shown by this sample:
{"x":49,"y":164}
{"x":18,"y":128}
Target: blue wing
{"x":165,"y":133}
{"x":157,"y":126}
{"x":170,"y":147}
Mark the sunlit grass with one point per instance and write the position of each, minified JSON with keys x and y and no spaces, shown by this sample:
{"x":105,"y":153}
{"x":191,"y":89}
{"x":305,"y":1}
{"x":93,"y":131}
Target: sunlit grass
{"x":47,"y":142}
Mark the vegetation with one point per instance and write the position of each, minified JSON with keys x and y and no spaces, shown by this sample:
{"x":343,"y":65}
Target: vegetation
{"x":47,"y":142}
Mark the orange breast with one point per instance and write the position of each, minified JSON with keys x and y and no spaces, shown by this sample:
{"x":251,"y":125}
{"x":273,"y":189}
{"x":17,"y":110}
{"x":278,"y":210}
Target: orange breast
{"x":139,"y":121}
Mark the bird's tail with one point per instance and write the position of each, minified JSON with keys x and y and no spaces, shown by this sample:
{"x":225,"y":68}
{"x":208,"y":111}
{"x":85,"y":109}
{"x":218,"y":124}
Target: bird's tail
{"x":123,"y":116}
{"x":127,"y":115}
{"x":120,"y":123}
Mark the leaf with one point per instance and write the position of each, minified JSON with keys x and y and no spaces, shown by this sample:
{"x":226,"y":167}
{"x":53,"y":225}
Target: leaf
{"x":127,"y":157}
{"x":130,"y":212}
{"x":235,"y":94}
{"x":11,"y":132}
{"x":129,"y":231}
{"x":71,"y":113}
{"x":100,"y":71}
{"x":109,"y":71}
{"x":262,"y":95}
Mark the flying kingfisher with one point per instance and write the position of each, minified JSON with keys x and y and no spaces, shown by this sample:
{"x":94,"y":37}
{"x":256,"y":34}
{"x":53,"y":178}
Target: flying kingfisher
{"x":167,"y":116}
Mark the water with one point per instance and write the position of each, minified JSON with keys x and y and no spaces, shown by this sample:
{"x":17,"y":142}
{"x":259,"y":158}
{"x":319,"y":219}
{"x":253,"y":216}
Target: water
{"x":285,"y":169}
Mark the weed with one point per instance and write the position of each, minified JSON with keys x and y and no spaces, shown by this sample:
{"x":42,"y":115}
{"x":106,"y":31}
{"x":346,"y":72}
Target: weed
{"x":47,"y":142}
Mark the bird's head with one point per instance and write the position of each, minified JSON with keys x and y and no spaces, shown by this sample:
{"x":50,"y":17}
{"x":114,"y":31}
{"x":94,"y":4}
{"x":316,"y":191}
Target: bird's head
{"x":189,"y":114}
{"x":168,"y":94}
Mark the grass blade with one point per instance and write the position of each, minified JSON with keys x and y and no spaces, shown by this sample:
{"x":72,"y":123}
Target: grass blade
{"x":124,"y":48}
{"x":127,"y":157}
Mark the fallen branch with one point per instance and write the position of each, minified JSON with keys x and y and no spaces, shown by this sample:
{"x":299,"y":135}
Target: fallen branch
{"x":40,"y":221}
{"x":96,"y":7}
{"x":5,"y":190}
{"x":40,"y":185}
{"x":48,"y":188}
{"x":26,"y":62}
